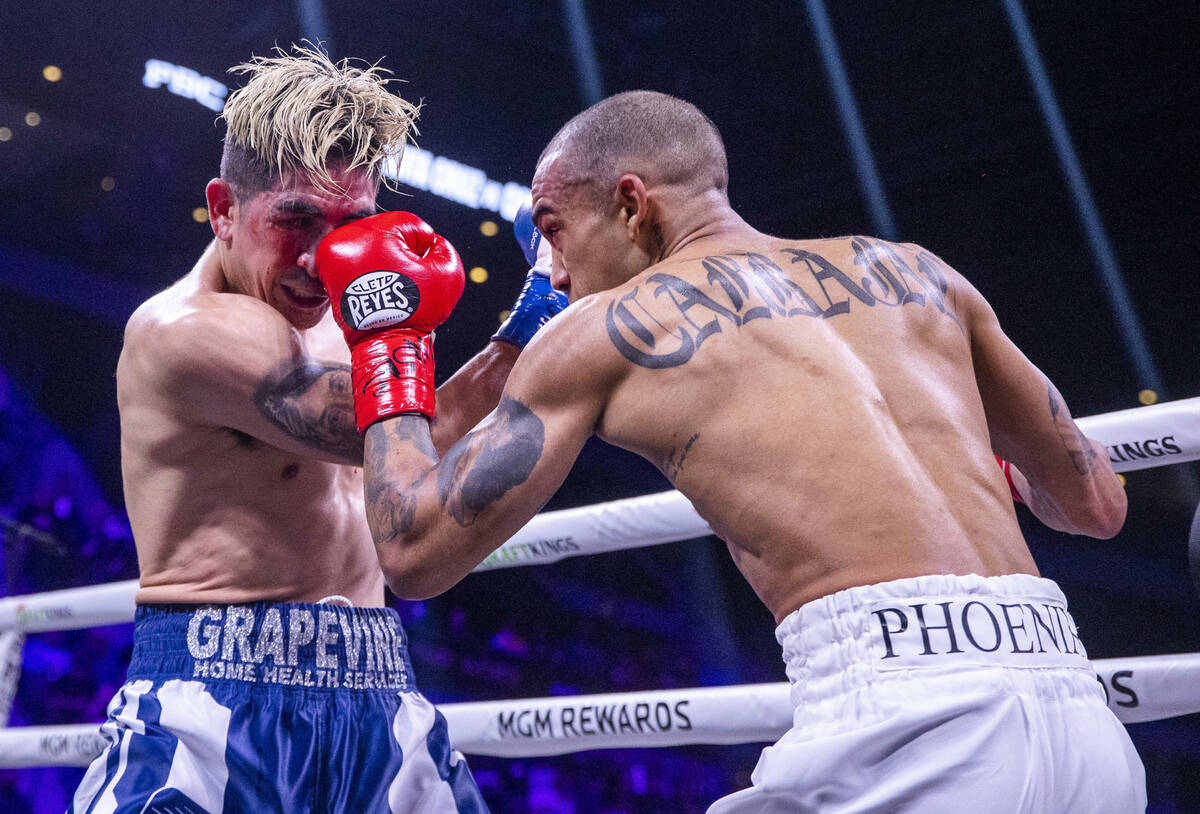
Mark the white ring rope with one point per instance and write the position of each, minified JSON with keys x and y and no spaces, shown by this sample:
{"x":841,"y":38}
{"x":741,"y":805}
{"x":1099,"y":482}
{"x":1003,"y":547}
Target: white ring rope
{"x":551,"y":536}
{"x":12,"y":644}
{"x":1145,"y":688}
{"x":1138,"y":438}
{"x":1143,"y":437}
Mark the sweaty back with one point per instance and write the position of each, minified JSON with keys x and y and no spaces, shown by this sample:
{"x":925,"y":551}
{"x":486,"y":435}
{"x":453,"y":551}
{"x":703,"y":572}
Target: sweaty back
{"x":816,"y":402}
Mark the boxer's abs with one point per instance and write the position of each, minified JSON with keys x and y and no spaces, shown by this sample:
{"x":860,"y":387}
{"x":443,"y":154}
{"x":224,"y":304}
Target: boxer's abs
{"x":228,"y":519}
{"x":823,"y":420}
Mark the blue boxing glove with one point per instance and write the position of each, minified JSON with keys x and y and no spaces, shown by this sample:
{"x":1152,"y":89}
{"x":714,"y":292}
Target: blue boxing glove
{"x":538,"y":301}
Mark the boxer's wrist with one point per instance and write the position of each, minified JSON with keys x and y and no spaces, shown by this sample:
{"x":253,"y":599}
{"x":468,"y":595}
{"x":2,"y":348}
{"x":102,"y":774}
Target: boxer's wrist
{"x":1006,"y":468}
{"x":392,"y":373}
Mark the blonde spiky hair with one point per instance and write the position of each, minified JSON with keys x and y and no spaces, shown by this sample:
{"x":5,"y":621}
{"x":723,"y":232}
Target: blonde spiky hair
{"x":300,"y":111}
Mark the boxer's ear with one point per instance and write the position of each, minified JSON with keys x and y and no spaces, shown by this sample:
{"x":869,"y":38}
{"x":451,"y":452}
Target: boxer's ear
{"x":632,"y":200}
{"x":221,"y":202}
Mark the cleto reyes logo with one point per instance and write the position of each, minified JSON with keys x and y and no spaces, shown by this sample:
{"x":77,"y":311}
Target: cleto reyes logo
{"x":379,"y":298}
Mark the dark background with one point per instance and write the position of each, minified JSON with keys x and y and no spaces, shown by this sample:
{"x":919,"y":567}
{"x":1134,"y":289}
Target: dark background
{"x":967,"y":163}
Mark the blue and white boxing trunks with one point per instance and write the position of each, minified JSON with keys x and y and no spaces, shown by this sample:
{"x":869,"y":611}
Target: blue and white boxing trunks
{"x":943,"y":694}
{"x":288,"y":708}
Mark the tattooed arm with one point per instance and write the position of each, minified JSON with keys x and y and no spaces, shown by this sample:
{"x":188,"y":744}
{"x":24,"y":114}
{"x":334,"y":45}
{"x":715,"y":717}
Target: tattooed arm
{"x":234,"y":362}
{"x":1069,"y":483}
{"x":471,"y":393}
{"x":432,"y":519}
{"x":312,"y":402}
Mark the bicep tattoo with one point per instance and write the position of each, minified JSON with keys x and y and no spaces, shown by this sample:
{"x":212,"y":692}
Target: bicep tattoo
{"x":480,"y":468}
{"x":313,"y":403}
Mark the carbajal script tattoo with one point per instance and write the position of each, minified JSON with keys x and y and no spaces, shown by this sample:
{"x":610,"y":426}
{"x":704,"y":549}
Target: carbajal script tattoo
{"x":745,"y":287}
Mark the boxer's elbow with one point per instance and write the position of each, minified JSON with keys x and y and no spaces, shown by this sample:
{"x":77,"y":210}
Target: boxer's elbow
{"x":1109,"y":501}
{"x":1097,"y":511}
{"x":411,"y":569}
{"x":1107,"y":512}
{"x":1102,"y":514}
{"x":412,"y":586}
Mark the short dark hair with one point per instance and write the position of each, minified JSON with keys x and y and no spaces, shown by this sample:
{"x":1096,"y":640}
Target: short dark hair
{"x":246,"y":172}
{"x":658,"y":136}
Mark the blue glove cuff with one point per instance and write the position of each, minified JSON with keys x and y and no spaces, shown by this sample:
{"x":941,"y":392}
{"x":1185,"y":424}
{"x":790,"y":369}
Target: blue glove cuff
{"x":527,"y":235}
{"x":536,"y":303}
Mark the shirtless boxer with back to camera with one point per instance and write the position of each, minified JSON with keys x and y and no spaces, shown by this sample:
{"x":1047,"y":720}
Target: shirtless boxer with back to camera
{"x":832,"y":408}
{"x":242,"y":467}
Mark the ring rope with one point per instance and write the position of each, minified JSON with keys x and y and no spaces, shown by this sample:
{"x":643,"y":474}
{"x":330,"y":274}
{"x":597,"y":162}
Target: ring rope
{"x":12,"y":645}
{"x":1143,"y":688}
{"x":1145,"y":437}
{"x":551,"y":536}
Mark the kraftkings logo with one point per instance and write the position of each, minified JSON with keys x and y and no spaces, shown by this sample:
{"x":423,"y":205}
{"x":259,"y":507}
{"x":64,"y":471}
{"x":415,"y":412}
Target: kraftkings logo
{"x":379,"y":298}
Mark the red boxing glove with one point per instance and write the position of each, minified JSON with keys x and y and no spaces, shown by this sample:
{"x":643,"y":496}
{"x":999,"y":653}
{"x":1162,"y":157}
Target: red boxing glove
{"x":1012,"y":487}
{"x":391,"y":281}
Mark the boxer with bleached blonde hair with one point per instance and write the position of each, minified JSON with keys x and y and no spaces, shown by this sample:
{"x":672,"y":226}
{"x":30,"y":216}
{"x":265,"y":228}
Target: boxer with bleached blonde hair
{"x":267,"y":674}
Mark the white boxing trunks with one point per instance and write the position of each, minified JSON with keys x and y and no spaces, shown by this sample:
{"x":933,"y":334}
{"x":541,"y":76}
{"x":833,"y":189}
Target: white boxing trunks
{"x":943,"y":694}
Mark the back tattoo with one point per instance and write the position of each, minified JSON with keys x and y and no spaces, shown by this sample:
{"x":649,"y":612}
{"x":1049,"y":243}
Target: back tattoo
{"x":746,"y":287}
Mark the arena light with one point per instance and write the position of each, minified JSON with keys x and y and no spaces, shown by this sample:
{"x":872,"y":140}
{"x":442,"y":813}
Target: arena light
{"x":1128,"y":321}
{"x":456,"y":182}
{"x":185,"y":82}
{"x":853,"y":129}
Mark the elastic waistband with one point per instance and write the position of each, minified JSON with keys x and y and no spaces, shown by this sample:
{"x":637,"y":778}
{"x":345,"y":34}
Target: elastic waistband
{"x":298,"y":645}
{"x":1016,"y":620}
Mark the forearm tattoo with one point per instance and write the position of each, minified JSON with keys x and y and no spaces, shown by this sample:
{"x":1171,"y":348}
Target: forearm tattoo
{"x":1079,"y":448}
{"x":391,"y":508}
{"x":313,"y":403}
{"x":475,"y":472}
{"x":480,"y":468}
{"x":744,"y":287}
